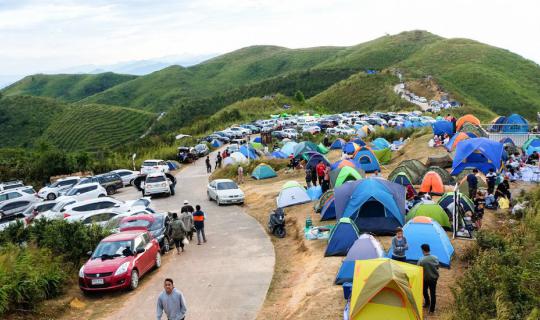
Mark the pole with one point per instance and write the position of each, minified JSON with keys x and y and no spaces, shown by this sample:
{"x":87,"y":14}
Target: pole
{"x":133,"y":161}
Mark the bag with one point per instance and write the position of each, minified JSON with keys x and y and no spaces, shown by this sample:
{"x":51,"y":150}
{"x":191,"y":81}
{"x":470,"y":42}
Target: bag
{"x":185,"y":241}
{"x":504,"y":203}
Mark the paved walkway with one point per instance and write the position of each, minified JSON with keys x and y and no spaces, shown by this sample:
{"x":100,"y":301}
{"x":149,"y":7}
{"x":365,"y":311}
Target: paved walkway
{"x":226,"y":278}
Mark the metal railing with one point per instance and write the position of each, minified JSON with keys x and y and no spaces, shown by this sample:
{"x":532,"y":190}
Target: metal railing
{"x":519,"y":133}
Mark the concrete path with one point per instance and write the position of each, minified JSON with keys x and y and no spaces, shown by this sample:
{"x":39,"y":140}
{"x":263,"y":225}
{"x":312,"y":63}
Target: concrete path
{"x":225,"y":278}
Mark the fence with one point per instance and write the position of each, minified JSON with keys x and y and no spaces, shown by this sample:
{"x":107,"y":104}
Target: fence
{"x":517,"y":132}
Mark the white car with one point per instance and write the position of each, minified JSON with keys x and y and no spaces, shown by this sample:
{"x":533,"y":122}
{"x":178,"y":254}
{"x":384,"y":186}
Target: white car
{"x":242,"y":129}
{"x":225,"y":191}
{"x":341,"y":130}
{"x":80,"y":210}
{"x":53,"y":191}
{"x":290,"y":133}
{"x":311,"y":129}
{"x":24,"y":193}
{"x":127,"y":176}
{"x":85,"y":192}
{"x":11,"y":185}
{"x":37,"y":208}
{"x":56,"y":212}
{"x":16,"y":205}
{"x":152,"y":165}
{"x":157,"y":183}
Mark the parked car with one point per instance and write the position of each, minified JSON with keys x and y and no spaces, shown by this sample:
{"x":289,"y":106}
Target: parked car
{"x":290,"y":133}
{"x":157,"y":183}
{"x":254,"y":129}
{"x":279,"y":134}
{"x":16,"y":205}
{"x":24,"y":193}
{"x":37,"y":208}
{"x":158,"y":224}
{"x":11,"y":185}
{"x":53,"y":190}
{"x":109,"y":181}
{"x":113,"y":225}
{"x":221,"y":137}
{"x":311,"y":129}
{"x":126,"y":175}
{"x":150,"y":166}
{"x":233,"y":147}
{"x":85,"y":191}
{"x":56,"y":212}
{"x":341,"y":130}
{"x":224,"y":191}
{"x":79,"y":210}
{"x":201,"y":150}
{"x":186,"y":154}
{"x":119,"y":261}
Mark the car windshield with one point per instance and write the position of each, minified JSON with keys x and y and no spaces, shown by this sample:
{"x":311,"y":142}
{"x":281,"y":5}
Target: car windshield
{"x":114,"y":222}
{"x":136,"y":223}
{"x":158,"y":223}
{"x":57,"y":207}
{"x":155,"y":179}
{"x":149,"y":163}
{"x":13,"y":186}
{"x":111,"y":249}
{"x":227,"y":185}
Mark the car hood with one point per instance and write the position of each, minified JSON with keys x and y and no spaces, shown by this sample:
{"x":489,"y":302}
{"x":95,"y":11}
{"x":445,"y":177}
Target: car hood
{"x":101,"y":266}
{"x":230,"y":192}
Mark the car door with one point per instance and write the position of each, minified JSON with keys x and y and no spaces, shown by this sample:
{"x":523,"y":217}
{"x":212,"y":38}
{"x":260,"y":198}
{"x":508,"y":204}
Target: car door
{"x":212,"y":190}
{"x":15,"y":207}
{"x":139,"y":259}
{"x":150,"y":251}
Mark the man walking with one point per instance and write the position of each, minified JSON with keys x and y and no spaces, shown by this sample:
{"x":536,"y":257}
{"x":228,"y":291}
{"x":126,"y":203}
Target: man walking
{"x":218,"y":160}
{"x":178,"y":232}
{"x":198,"y":218}
{"x":208,"y":165}
{"x":240,"y":175}
{"x":172,"y":301}
{"x":430,"y":264}
{"x":187,"y":220}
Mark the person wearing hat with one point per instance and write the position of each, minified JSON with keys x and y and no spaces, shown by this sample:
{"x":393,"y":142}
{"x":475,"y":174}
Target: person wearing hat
{"x":186,"y":214}
{"x":187,"y":207}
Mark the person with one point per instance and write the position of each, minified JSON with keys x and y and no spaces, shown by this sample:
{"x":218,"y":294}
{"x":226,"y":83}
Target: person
{"x":172,"y":302}
{"x":430,"y":263}
{"x":308,"y":177}
{"x":512,"y":175}
{"x":399,"y":245}
{"x":410,"y":192}
{"x":178,"y":232}
{"x":218,"y":160}
{"x":446,"y":139}
{"x":240,"y":174}
{"x":326,"y":142}
{"x":187,"y":219}
{"x":503,"y":189}
{"x":208,"y":165}
{"x":472,"y":180}
{"x":320,"y":171}
{"x":326,"y":180}
{"x":478,"y":214}
{"x":187,"y":207}
{"x":491,"y":178}
{"x":313,"y":176}
{"x":469,"y":226}
{"x":533,"y":158}
{"x":377,"y":174}
{"x":198,"y":218}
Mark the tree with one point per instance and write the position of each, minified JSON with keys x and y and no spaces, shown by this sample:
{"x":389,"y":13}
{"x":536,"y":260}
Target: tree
{"x":299,"y":96}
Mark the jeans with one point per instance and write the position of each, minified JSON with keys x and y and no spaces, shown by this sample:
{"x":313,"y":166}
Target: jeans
{"x":208,"y":169}
{"x":402,"y":259}
{"x":321,"y":178}
{"x":200,"y":232}
{"x":472,"y":192}
{"x":431,"y":298}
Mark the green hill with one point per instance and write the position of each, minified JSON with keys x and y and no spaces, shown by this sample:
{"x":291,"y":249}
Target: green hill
{"x":66,"y":87}
{"x":94,"y":127}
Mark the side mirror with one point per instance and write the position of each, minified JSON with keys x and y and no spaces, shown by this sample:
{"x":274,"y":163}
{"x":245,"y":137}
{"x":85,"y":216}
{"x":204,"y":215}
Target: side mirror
{"x":140,"y":250}
{"x":89,"y":253}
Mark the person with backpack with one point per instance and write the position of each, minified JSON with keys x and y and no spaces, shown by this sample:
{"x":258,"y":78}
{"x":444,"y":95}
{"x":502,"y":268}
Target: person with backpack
{"x":430,"y":264}
{"x":198,"y":218}
{"x":178,"y":232}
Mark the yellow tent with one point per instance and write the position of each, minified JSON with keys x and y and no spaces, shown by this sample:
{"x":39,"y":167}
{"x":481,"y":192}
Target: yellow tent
{"x":386,"y":289}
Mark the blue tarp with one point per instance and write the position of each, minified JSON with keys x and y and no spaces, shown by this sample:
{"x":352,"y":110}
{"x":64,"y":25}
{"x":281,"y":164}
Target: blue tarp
{"x":515,"y":123}
{"x":368,"y":161}
{"x":443,"y":127}
{"x":480,"y":153}
{"x":314,"y":193}
{"x":342,"y":238}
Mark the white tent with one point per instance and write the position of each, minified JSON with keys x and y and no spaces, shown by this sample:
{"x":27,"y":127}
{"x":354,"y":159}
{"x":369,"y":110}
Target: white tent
{"x":238,"y":157}
{"x":228,"y":161}
{"x":292,"y":193}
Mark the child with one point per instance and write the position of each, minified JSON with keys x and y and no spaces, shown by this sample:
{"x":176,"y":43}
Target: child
{"x":468,"y":222}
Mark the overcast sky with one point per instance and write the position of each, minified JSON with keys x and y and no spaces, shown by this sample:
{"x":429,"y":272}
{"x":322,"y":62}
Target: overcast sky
{"x":39,"y":35}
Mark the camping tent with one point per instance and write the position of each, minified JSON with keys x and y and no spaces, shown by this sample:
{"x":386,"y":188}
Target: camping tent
{"x":422,"y":230}
{"x":358,"y":141}
{"x":322,"y":200}
{"x":313,"y":158}
{"x":480,"y":153}
{"x":314,"y":192}
{"x":468,"y":118}
{"x":367,"y":159}
{"x":447,"y":179}
{"x":350,"y":148}
{"x":278,"y":155}
{"x":414,"y":169}
{"x":380,"y":143}
{"x":263,"y":171}
{"x":303,"y":147}
{"x":375,"y":205}
{"x":456,"y":138}
{"x":496,"y":124}
{"x":345,"y":163}
{"x":237,"y":157}
{"x":173,"y":165}
{"x":473,"y":130}
{"x":257,"y":140}
{"x":339,"y":176}
{"x":338,"y":144}
{"x":442,"y":127}
{"x":402,"y":178}
{"x":365,"y":247}
{"x":515,"y":124}
{"x":216,"y":143}
{"x":464,"y":187}
{"x":532,"y":144}
{"x":384,"y":156}
{"x":342,"y":237}
{"x":292,"y":193}
{"x":447,"y":200}
{"x":442,"y":160}
{"x":432,"y":183}
{"x":288,"y":148}
{"x":328,"y":211}
{"x":386,"y":289}
{"x":248,"y":152}
{"x":431,"y":210}
{"x":322,"y":149}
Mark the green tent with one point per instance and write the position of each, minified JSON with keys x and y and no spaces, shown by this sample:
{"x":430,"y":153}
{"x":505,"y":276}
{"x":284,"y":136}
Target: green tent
{"x":431,"y":210}
{"x":263,"y":171}
{"x":256,"y":145}
{"x":341,"y":175}
{"x":384,"y":156}
{"x":322,"y":149}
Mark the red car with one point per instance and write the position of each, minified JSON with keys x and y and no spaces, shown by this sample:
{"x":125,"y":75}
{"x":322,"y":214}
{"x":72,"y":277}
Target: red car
{"x":119,"y":261}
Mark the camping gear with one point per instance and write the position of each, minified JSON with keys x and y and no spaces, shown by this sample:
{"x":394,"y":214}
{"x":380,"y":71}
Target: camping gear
{"x":496,"y":124}
{"x":480,"y":153}
{"x":380,"y":143}
{"x":318,"y":232}
{"x":276,"y":223}
{"x":422,"y":230}
{"x":216,"y":143}
{"x":288,"y":148}
{"x":343,"y":163}
{"x":328,"y":211}
{"x":431,"y":210}
{"x":341,"y":238}
{"x":515,"y":124}
{"x":237,"y":157}
{"x":292,"y":193}
{"x":314,"y":192}
{"x":432,"y":183}
{"x":339,"y":176}
{"x":442,"y":127}
{"x":358,"y":141}
{"x":367,"y":159}
{"x":443,"y":161}
{"x":474,"y":131}
{"x":322,"y":149}
{"x":468,"y":118}
{"x":384,"y":156}
{"x":303,"y":147}
{"x":248,"y":152}
{"x":278,"y":155}
{"x":350,"y":148}
{"x":365,"y":247}
{"x":414,"y":169}
{"x":313,"y":158}
{"x":464,"y":187}
{"x":447,"y":179}
{"x":456,"y":138}
{"x":386,"y":289}
{"x":263,"y":171}
{"x":402,"y":178}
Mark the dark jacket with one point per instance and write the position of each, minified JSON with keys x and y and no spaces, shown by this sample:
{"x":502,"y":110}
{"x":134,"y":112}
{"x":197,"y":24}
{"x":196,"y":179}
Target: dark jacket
{"x":198,"y":219}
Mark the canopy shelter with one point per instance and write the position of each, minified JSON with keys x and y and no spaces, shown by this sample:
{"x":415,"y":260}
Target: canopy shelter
{"x":341,"y":175}
{"x":431,"y":210}
{"x":402,"y":178}
{"x":358,"y":141}
{"x":278,"y":155}
{"x":350,"y":148}
{"x":216,"y":143}
{"x":248,"y":152}
{"x":446,"y":177}
{"x":496,"y":124}
{"x":322,"y":200}
{"x":474,"y":130}
{"x":288,"y":148}
{"x":480,"y":153}
{"x":386,"y":287}
{"x":364,"y":248}
{"x":441,"y":160}
{"x":322,"y":149}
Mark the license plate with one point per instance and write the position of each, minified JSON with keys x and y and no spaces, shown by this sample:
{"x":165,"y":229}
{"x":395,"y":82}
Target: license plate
{"x":97,"y":281}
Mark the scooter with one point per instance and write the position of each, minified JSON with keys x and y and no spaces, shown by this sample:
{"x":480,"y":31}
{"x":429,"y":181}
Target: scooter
{"x":276,"y":223}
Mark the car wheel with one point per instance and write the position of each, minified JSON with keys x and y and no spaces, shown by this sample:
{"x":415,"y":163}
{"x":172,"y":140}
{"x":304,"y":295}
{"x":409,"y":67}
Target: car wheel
{"x":158,"y":260}
{"x":218,"y":202}
{"x":166,"y":245}
{"x":134,"y":283}
{"x":51,"y":196}
{"x":131,"y":182}
{"x":110,"y":190}
{"x":102,"y":195}
{"x":209,"y":197}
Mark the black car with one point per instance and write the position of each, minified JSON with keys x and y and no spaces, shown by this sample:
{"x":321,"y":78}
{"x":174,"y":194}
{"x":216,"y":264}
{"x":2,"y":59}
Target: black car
{"x":161,"y":230}
{"x":186,"y":154}
{"x":110,"y":181}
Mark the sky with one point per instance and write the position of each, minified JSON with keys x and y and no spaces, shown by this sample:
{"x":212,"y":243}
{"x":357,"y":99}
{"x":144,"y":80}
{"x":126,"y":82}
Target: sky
{"x":43,"y":35}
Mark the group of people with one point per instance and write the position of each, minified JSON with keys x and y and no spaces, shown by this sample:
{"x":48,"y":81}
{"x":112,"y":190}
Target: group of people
{"x":183,"y":226}
{"x":319,"y":173}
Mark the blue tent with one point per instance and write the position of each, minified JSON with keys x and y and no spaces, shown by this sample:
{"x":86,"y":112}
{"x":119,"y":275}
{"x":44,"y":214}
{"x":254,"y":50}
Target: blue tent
{"x":328,"y":211}
{"x":515,"y":123}
{"x":375,"y":205}
{"x":342,"y":237}
{"x":350,"y":147}
{"x":172,"y":165}
{"x":279,"y":155}
{"x":338,"y":144}
{"x":480,"y":153}
{"x":496,"y":125}
{"x":422,"y":230}
{"x":313,"y":157}
{"x":367,"y":159}
{"x":380,"y":144}
{"x":507,"y":141}
{"x":531,"y":145}
{"x":358,"y":141}
{"x":443,"y":127}
{"x":364,"y":248}
{"x":341,"y":163}
{"x":314,"y":193}
{"x":257,"y":140}
{"x":248,"y":152}
{"x":216,"y":143}
{"x":263,"y":171}
{"x":288,"y":148}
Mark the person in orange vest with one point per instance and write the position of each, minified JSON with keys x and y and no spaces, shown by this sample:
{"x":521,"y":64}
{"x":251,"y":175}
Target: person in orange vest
{"x":198,"y":219}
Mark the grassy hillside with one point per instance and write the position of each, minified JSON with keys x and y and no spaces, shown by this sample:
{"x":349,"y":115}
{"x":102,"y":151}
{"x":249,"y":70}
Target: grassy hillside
{"x":23,"y":119}
{"x":66,"y":87}
{"x":494,"y":78}
{"x":94,"y":127}
{"x":363,"y":92}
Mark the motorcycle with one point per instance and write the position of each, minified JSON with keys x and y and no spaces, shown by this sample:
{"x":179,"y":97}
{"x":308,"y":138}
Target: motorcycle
{"x":276,"y":223}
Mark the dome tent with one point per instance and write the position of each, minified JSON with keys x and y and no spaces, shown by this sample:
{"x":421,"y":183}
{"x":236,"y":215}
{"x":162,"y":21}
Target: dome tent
{"x":447,"y":200}
{"x":263,"y":171}
{"x":365,"y":247}
{"x":468,"y":118}
{"x":442,"y":127}
{"x":339,"y":176}
{"x":338,"y":144}
{"x":345,"y":163}
{"x":342,"y":237}
{"x":431,"y":210}
{"x":292,"y":193}
{"x":367,"y":159}
{"x":432,"y":183}
{"x":515,"y":124}
{"x":480,"y":153}
{"x":328,"y":211}
{"x":322,"y":200}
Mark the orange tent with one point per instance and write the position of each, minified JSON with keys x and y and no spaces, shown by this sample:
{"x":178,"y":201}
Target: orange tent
{"x":467,"y":118}
{"x":451,"y":145}
{"x":432,"y":183}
